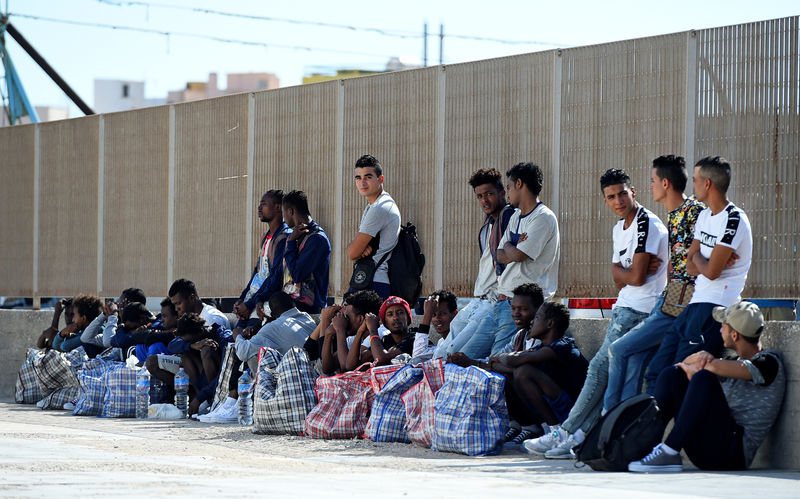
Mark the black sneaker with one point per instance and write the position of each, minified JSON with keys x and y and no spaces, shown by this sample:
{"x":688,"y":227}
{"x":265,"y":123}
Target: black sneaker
{"x":511,"y":433}
{"x":527,"y":434}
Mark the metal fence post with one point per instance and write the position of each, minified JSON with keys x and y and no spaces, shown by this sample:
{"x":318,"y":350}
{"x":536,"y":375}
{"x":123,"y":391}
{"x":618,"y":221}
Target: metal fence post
{"x":438,"y":250}
{"x":690,"y":96}
{"x":101,"y":150}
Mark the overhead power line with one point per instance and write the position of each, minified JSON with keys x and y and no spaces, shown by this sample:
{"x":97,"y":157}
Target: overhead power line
{"x":381,"y":31}
{"x":196,"y":35}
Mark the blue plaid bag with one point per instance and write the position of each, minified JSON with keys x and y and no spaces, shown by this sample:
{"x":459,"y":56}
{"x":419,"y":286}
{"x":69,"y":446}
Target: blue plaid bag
{"x":58,"y":398}
{"x":283,"y":396}
{"x":90,"y":398}
{"x":387,"y":420}
{"x":470,"y":412}
{"x":119,"y":398}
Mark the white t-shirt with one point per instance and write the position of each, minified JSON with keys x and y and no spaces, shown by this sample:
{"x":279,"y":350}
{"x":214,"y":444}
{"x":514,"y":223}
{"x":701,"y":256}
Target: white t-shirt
{"x":213,"y":316}
{"x":535,"y":234}
{"x":382,"y":217}
{"x":730,"y":227}
{"x":486,"y":283}
{"x":645,"y":234}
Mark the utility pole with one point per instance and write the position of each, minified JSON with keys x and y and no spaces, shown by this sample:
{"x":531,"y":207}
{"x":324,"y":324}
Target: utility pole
{"x":425,"y":44}
{"x":441,"y":44}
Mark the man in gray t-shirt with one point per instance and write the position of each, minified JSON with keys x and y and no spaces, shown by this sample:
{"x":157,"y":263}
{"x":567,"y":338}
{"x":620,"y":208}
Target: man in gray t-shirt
{"x":380,"y":223}
{"x":720,"y":426}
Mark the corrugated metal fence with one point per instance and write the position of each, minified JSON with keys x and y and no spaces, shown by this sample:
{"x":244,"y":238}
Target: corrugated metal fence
{"x":139,"y":198}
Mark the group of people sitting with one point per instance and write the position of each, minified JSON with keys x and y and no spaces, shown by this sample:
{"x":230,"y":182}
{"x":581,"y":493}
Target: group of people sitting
{"x":511,"y":327}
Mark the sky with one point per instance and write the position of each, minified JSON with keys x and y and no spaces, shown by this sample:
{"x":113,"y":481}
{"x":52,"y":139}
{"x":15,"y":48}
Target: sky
{"x":296,"y":37}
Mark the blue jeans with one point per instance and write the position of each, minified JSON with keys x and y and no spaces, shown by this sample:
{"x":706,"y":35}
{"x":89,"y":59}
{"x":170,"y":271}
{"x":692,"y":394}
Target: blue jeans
{"x":463,"y":327}
{"x":690,"y":332}
{"x":629,"y":355}
{"x":590,"y":401}
{"x":492,"y":333}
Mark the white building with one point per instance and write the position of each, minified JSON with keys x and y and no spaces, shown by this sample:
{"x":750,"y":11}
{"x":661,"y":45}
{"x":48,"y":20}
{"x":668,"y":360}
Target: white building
{"x":45,"y":113}
{"x":121,"y":95}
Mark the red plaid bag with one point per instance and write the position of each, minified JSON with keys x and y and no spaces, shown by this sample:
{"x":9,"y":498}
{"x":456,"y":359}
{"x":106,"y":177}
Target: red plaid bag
{"x":345,"y":401}
{"x":419,"y":401}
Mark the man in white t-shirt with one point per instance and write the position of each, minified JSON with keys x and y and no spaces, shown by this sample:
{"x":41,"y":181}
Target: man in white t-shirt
{"x":529,"y":249}
{"x":639,"y":239}
{"x":379,"y":226}
{"x":720,"y":257}
{"x":487,"y":184}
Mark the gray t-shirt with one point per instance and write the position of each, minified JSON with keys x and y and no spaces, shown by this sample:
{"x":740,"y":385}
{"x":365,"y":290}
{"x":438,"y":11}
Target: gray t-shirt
{"x":382,"y":217}
{"x":754,"y":403}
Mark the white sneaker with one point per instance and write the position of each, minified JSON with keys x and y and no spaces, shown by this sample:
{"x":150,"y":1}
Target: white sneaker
{"x":227,"y":412}
{"x":69,"y":406}
{"x":40,"y":404}
{"x":564,"y":448}
{"x":546,"y":442}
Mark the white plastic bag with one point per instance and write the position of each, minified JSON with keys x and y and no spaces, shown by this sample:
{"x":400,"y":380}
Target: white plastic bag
{"x":164,"y":411}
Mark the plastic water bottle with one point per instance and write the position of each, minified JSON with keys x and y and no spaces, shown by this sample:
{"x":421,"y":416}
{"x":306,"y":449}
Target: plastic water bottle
{"x":182,"y":392}
{"x":142,"y":393}
{"x":245,"y":402}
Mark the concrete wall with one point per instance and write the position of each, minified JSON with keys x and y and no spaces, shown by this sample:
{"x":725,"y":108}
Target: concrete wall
{"x":19,"y":330}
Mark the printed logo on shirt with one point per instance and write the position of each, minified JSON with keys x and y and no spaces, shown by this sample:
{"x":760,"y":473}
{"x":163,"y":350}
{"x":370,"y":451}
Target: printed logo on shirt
{"x":643,"y":223}
{"x":732,"y":226}
{"x":707,"y":239}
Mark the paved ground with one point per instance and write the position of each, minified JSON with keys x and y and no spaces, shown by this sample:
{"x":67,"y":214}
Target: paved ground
{"x":48,"y":453}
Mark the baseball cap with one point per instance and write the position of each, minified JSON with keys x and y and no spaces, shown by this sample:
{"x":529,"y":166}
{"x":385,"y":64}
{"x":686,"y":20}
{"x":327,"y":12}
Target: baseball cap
{"x":744,"y":317}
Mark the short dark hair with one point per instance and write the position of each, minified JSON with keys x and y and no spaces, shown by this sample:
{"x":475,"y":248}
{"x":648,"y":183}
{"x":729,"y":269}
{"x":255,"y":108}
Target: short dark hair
{"x":530,"y":174}
{"x":275,"y":194}
{"x":133,"y":312}
{"x":184,"y":287}
{"x":558,"y":312}
{"x":166,"y":302}
{"x":672,"y":168}
{"x":87,"y":305}
{"x":531,"y":290}
{"x":718,"y":170}
{"x":280,"y":302}
{"x":134,"y":295}
{"x":190,"y":324}
{"x":369,"y":161}
{"x":487,"y":176}
{"x":446,"y":296}
{"x":298,"y":201}
{"x":614,"y":176}
{"x":365,"y":301}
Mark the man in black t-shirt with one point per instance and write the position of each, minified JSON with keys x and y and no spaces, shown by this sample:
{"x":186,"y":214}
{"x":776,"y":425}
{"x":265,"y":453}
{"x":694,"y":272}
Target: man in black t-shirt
{"x":395,"y":313}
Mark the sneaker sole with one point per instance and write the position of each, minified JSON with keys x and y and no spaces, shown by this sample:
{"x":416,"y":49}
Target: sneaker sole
{"x":568,"y":455}
{"x":665,"y":468}
{"x":534,"y":451}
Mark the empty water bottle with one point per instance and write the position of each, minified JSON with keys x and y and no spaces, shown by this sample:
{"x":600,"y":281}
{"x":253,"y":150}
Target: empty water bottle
{"x":245,"y":402}
{"x":182,"y":392}
{"x":142,"y":393}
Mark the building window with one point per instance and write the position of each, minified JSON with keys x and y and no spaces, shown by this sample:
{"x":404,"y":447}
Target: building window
{"x":125,"y":89}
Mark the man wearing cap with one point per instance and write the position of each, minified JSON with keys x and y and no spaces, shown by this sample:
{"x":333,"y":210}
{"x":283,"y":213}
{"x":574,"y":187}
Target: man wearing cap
{"x":720,"y":426}
{"x":395,"y":314}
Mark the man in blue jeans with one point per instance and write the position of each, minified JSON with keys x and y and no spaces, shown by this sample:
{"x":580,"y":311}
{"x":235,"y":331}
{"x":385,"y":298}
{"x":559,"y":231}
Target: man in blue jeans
{"x":629,"y":355}
{"x":637,"y":238}
{"x":529,"y":249}
{"x":720,"y":257}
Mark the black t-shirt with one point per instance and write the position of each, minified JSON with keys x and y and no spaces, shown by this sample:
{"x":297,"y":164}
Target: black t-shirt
{"x":406,"y":345}
{"x":569,"y":370}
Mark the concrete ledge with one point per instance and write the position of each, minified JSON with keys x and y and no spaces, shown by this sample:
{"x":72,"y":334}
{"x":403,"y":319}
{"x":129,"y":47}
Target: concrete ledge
{"x":19,"y":330}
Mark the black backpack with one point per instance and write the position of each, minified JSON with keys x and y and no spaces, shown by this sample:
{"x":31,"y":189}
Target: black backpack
{"x":628,"y":432}
{"x":406,"y":264}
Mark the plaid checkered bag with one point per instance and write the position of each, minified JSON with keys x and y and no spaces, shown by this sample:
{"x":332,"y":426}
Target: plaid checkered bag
{"x":419,"y":401}
{"x":90,"y":397}
{"x":387,"y":420}
{"x":119,"y":396}
{"x":229,"y":360}
{"x":58,"y":398}
{"x":27,"y":388}
{"x":56,"y":370}
{"x":284,"y":396}
{"x":111,"y":353}
{"x":344,"y":404}
{"x":470,"y":412}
